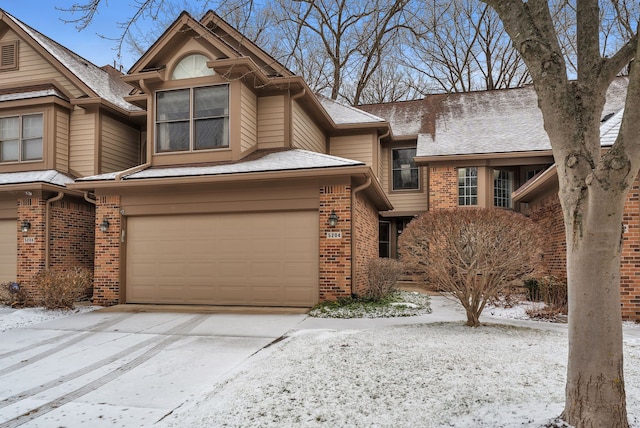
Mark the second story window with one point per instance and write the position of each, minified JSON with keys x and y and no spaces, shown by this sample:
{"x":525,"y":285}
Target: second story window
{"x":405,"y":170}
{"x":21,"y":138}
{"x":502,"y":188}
{"x":192,"y":119}
{"x":468,"y":186}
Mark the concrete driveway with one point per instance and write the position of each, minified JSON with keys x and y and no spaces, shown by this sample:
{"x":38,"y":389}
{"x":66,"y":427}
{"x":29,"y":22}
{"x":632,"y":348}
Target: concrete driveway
{"x":109,"y":369}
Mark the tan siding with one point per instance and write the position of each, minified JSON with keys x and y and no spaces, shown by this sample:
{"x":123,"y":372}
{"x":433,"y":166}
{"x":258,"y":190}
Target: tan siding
{"x":248,"y":119}
{"x":271,"y":125}
{"x":35,"y":66}
{"x":62,"y":141}
{"x":404,"y":201}
{"x":306,"y":134}
{"x":356,"y":147}
{"x":120,"y":145}
{"x":8,"y":250}
{"x":82,"y":143}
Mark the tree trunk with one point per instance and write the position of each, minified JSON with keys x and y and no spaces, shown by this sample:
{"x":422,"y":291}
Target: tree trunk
{"x":595,"y":395}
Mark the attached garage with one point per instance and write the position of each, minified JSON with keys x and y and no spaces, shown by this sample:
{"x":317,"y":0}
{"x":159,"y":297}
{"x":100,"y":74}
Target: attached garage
{"x":252,"y":259}
{"x":8,"y":250}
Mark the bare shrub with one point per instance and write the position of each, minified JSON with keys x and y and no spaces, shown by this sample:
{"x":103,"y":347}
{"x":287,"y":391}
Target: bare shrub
{"x":382,"y":275}
{"x":474,"y":254}
{"x":12,"y":294}
{"x":551,"y":291}
{"x":59,"y":289}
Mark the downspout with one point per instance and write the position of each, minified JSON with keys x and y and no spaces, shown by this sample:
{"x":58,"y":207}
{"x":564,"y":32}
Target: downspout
{"x":353,"y":234}
{"x":47,"y":228}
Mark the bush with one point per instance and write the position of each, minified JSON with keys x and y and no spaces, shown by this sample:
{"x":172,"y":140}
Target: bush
{"x":551,"y":291}
{"x":382,"y":275}
{"x":59,"y":289}
{"x":12,"y":294}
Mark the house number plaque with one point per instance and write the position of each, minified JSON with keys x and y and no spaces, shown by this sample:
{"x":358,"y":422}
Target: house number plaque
{"x":29,"y":240}
{"x":334,"y":235}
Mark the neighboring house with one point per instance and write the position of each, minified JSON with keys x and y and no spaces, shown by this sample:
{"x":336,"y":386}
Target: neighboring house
{"x":211,"y":174}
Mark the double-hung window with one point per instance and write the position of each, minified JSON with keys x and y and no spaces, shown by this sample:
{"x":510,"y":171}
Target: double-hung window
{"x":21,"y":138}
{"x":468,"y":186}
{"x":192,"y":119}
{"x":405,"y":171}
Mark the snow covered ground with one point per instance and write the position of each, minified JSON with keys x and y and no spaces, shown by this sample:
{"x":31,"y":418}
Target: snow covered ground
{"x":421,"y":373}
{"x":11,"y":318}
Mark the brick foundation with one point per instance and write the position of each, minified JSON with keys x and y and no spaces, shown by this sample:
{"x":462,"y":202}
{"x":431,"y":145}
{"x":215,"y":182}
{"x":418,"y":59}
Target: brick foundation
{"x":106,"y":278}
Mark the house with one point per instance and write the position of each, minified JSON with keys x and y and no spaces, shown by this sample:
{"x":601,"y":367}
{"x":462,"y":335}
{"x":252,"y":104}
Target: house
{"x":211,"y":174}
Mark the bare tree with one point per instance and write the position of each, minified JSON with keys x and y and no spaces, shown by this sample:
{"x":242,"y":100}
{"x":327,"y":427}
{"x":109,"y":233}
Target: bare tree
{"x":593,"y":187}
{"x":473,"y":254}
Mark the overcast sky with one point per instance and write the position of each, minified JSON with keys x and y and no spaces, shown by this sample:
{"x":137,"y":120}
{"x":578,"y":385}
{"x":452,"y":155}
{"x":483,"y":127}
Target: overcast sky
{"x":45,"y":16}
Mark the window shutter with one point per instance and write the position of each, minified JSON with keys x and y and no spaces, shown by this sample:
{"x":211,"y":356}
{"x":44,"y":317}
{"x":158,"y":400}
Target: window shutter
{"x":9,"y":56}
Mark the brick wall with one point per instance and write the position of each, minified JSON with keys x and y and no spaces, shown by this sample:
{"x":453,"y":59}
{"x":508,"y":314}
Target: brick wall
{"x":106,"y":278}
{"x":31,"y":254}
{"x":72,"y":234}
{"x":366,"y":235}
{"x":630,"y":257}
{"x":335,"y":254}
{"x":443,"y":188}
{"x":548,"y":213}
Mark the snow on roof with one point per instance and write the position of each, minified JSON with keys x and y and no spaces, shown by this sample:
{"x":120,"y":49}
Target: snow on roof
{"x":500,"y":121}
{"x":31,"y":94}
{"x":47,"y":176}
{"x":610,"y":128}
{"x":279,"y":161}
{"x":102,"y":83}
{"x":343,"y":114}
{"x":405,"y":117}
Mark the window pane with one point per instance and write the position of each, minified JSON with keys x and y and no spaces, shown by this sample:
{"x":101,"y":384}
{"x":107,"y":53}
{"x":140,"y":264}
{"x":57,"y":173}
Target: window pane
{"x":32,"y":149}
{"x":502,"y":188}
{"x":173,"y":136}
{"x":172,"y":105}
{"x":9,"y":127}
{"x":32,"y":126}
{"x":212,"y":133}
{"x":9,"y":150}
{"x":405,"y":171}
{"x":212,"y":101}
{"x":468,"y":186}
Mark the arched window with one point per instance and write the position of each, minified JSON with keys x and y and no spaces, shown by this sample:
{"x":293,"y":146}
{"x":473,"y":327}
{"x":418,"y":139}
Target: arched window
{"x":192,"y":66}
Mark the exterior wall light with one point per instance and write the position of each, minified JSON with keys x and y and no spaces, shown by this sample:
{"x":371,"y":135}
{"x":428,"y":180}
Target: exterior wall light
{"x":333,"y":219}
{"x":104,"y":226}
{"x":25,"y":226}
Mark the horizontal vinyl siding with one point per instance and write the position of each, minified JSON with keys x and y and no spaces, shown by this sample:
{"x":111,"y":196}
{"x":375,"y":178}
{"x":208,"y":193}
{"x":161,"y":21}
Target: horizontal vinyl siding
{"x":248,"y":119}
{"x":120,"y":146}
{"x":306,"y":134}
{"x":82,"y":144}
{"x":35,"y":66}
{"x":62,"y":141}
{"x":271,"y":124}
{"x":356,"y":147}
{"x":411,"y":200}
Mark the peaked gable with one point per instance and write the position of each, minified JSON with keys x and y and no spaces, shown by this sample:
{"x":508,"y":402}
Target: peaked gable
{"x":90,"y":79}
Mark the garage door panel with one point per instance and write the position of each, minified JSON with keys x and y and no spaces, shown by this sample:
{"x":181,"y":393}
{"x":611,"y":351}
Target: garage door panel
{"x":226,"y":259}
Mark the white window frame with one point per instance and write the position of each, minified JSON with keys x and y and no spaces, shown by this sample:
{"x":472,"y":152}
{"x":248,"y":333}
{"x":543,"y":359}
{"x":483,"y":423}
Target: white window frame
{"x":467,"y":183}
{"x":502,"y":188}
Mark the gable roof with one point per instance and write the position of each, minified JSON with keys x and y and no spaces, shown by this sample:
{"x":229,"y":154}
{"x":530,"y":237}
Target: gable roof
{"x":342,"y":114}
{"x":96,"y":80}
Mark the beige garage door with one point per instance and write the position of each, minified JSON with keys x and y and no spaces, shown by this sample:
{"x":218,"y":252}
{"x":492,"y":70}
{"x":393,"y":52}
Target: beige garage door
{"x":260,"y":259}
{"x":8,"y":250}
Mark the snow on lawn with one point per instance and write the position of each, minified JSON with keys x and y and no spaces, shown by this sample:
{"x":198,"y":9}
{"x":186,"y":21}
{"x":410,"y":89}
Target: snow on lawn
{"x":427,"y":375}
{"x":11,"y":318}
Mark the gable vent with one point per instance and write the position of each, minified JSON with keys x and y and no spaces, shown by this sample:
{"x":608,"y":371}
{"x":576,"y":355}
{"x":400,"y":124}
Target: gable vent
{"x":9,"y":56}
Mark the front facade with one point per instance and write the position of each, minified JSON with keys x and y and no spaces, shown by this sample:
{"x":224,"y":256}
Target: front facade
{"x":211,"y":174}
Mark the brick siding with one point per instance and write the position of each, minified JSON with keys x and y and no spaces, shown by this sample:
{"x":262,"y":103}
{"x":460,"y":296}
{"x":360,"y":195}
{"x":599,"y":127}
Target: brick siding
{"x":366,"y":232}
{"x":548,"y":213}
{"x":72,"y":234}
{"x":335,"y":254}
{"x":443,"y":188}
{"x":106,"y":278}
{"x":31,"y":255}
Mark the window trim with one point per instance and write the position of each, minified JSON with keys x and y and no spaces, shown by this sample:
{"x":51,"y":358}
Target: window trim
{"x":416,"y":166}
{"x":191,"y":120}
{"x":14,"y":45}
{"x":22,"y":139}
{"x":510,"y":190}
